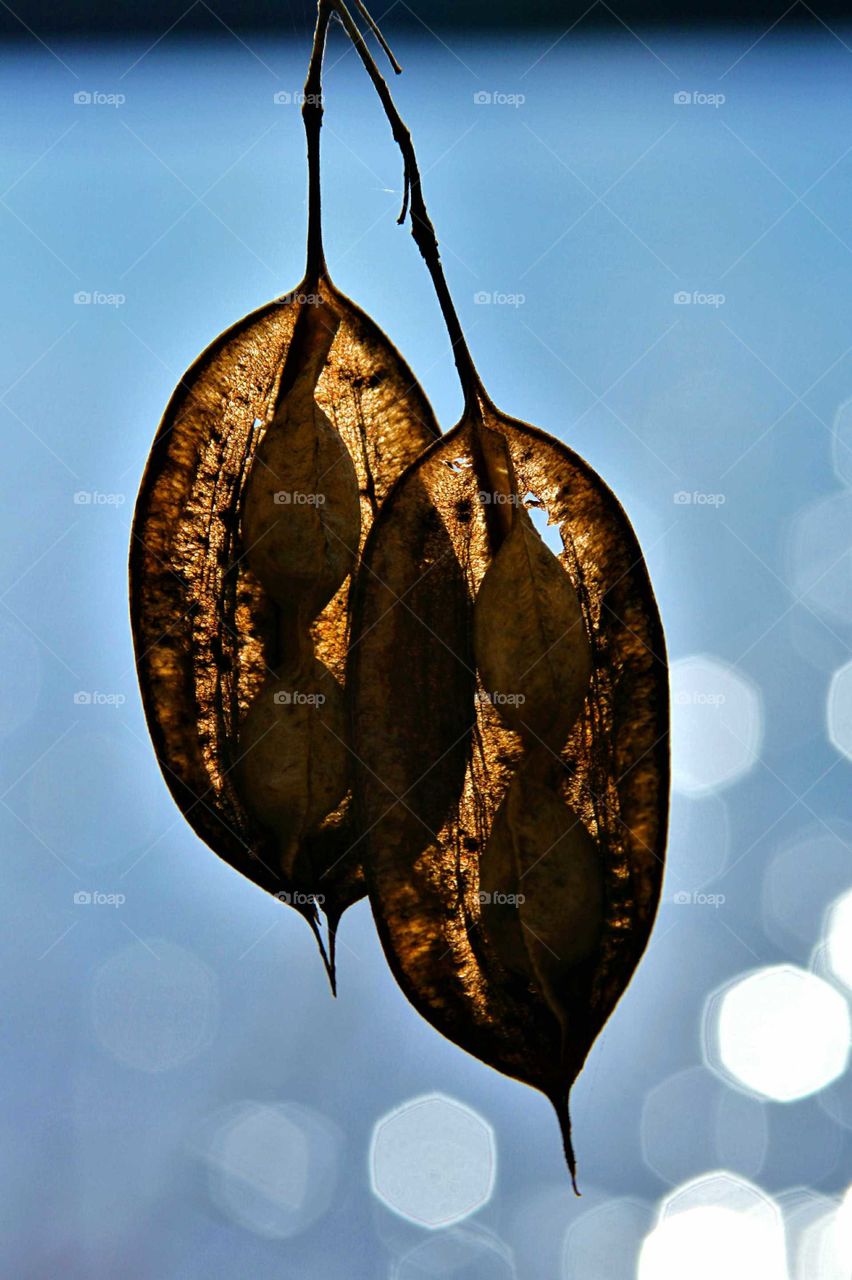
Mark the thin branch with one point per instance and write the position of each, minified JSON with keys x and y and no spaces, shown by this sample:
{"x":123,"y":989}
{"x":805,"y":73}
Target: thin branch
{"x":421,"y":225}
{"x":312,"y":112}
{"x":362,"y":9}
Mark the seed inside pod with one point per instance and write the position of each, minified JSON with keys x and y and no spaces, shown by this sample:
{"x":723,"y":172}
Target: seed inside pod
{"x":301,"y":517}
{"x":542,"y":883}
{"x":294,"y":765}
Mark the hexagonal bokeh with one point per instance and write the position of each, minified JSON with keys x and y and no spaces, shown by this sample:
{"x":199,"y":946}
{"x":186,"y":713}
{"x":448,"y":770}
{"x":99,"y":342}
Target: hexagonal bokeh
{"x":459,"y":1253}
{"x":794,"y":903}
{"x":839,"y":710}
{"x":780,"y":1032}
{"x":838,"y":939}
{"x":842,"y":443}
{"x":433,"y":1161}
{"x":717,"y":724}
{"x":604,"y":1243}
{"x":716,"y":1226}
{"x":689,"y":1124}
{"x":272,"y":1167}
{"x":821,"y":557}
{"x":154,"y":1005}
{"x":823,"y":1248}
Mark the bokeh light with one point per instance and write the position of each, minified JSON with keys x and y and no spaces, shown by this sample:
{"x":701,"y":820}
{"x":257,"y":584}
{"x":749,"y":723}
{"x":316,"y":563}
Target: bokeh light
{"x":688,"y":1124}
{"x":604,"y":1243}
{"x":821,"y":557}
{"x":838,"y":939}
{"x":716,"y":1226}
{"x":433,"y":1161}
{"x":717,"y":724}
{"x":842,"y":443}
{"x":824,"y":1247}
{"x":459,"y":1253}
{"x":273,"y":1167}
{"x":780,"y":1031}
{"x":154,"y":1005}
{"x":93,"y":798}
{"x":802,"y":879}
{"x":839,"y":710}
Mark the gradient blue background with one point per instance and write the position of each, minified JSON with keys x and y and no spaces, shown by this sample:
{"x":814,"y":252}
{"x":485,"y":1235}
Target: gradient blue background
{"x":597,"y":199}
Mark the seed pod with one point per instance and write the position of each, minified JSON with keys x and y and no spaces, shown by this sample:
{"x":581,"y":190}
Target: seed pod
{"x":529,"y":637}
{"x":301,"y":517}
{"x":208,"y":636}
{"x":610,"y":772}
{"x":542,"y":886}
{"x":293,"y":763}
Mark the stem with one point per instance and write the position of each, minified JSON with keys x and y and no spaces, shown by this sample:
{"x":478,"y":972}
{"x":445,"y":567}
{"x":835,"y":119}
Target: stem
{"x":312,"y":111}
{"x":421,"y":225}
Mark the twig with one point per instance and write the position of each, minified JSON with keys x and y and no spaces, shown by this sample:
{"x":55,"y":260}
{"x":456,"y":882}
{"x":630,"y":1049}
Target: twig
{"x":421,"y":225}
{"x":312,"y":111}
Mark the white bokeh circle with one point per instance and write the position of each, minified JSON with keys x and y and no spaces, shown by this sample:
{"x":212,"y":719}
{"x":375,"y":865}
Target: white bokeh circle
{"x":717,"y":724}
{"x":780,"y":1032}
{"x":715,"y":1226}
{"x":839,"y":710}
{"x":433,"y":1161}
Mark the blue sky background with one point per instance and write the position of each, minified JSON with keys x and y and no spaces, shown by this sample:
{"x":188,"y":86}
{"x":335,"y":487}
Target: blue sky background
{"x":140,"y":1039}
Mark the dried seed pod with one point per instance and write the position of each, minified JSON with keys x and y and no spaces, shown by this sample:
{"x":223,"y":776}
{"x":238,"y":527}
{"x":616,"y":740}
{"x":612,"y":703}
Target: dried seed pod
{"x":293,"y":762}
{"x":208,"y":636}
{"x":529,"y":637}
{"x":301,"y":516}
{"x":429,"y":855}
{"x":542,"y":885}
